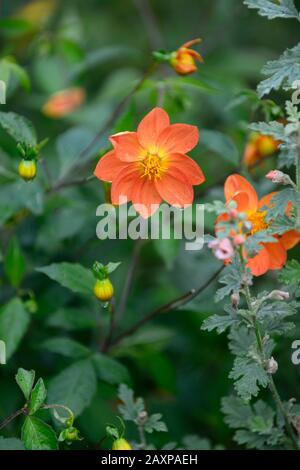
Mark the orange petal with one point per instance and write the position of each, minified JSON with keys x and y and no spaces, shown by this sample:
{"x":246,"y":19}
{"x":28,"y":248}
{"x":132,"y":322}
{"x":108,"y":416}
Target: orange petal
{"x":277,"y":255}
{"x":127,"y":146}
{"x":145,"y":197}
{"x":151,"y":126}
{"x":238,"y":188}
{"x":187,"y":166}
{"x":266,"y":200}
{"x":109,"y":166}
{"x":260,"y":264}
{"x":175,"y":192}
{"x":192,"y":42}
{"x":178,"y":138}
{"x":290,"y":239}
{"x":123,"y":184}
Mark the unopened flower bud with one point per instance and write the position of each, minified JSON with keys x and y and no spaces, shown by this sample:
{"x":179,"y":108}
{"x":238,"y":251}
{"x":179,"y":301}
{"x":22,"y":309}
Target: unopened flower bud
{"x":142,"y":417}
{"x":278,"y":177}
{"x":27,"y":169}
{"x":104,"y":289}
{"x":279,"y":295}
{"x":272,"y":366}
{"x":121,"y":444}
{"x":235,"y":299}
{"x":233,"y":213}
{"x":239,"y":240}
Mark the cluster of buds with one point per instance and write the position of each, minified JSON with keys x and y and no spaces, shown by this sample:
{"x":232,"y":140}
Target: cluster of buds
{"x":258,"y":147}
{"x":103,"y":288}
{"x":183,"y":60}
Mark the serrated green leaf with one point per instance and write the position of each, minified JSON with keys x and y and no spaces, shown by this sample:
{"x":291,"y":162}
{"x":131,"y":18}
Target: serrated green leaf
{"x":25,"y":380}
{"x":290,"y":274}
{"x":18,"y":127}
{"x":14,"y":263}
{"x":74,"y":386}
{"x":109,"y":369}
{"x":37,"y":435}
{"x":66,"y":347}
{"x":131,"y":407}
{"x":72,"y":276}
{"x":38,"y":396}
{"x":282,"y":72}
{"x":274,"y":9}
{"x":14,"y":321}
{"x":219,"y":323}
{"x":249,"y":376}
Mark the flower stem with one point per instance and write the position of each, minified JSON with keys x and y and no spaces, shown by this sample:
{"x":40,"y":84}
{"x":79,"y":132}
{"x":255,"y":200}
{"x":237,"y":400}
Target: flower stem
{"x":272,"y":386}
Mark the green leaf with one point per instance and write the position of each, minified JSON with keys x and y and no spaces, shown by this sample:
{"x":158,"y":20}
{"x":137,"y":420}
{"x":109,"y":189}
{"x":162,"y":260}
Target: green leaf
{"x":38,"y":396}
{"x":11,"y":443}
{"x":219,"y":323}
{"x":131,"y":407}
{"x":14,"y":321}
{"x":72,"y":319}
{"x":66,"y":347}
{"x":290,"y":274}
{"x":249,"y":376}
{"x":14,"y":263}
{"x":74,"y":386}
{"x":280,"y":202}
{"x":168,"y":250}
{"x":72,"y":276}
{"x":18,"y":127}
{"x":21,"y":74}
{"x":237,"y":413}
{"x":220,"y":144}
{"x":25,"y":380}
{"x":282,"y":72}
{"x":154,"y":423}
{"x":274,"y":9}
{"x":111,"y":267}
{"x":231,"y":278}
{"x":109,"y":370}
{"x":37,"y":435}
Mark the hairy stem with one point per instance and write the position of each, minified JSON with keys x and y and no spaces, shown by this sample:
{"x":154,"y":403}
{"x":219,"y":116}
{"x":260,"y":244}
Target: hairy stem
{"x":272,"y":385}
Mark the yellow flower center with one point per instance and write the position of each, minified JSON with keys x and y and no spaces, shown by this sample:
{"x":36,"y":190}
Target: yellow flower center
{"x":258,"y":221}
{"x":152,"y":166}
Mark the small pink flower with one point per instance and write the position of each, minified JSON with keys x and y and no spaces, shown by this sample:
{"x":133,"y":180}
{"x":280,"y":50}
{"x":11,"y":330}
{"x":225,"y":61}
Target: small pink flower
{"x":223,"y":249}
{"x":233,"y":213}
{"x":239,"y":240}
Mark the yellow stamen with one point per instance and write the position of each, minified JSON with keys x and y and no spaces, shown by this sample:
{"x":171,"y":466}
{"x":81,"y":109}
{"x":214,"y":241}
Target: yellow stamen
{"x":258,"y":221}
{"x":152,"y":166}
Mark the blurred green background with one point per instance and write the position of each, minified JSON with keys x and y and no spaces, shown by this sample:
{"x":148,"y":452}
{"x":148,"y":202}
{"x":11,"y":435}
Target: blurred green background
{"x":104,"y":46}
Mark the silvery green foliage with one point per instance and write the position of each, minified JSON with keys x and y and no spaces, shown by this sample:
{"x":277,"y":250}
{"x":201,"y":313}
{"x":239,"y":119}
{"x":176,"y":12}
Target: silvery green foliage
{"x":133,"y":409}
{"x":257,"y":426}
{"x":274,"y":9}
{"x":282,"y":72}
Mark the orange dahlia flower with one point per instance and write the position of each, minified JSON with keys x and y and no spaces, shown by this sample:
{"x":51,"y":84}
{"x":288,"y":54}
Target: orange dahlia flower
{"x":64,"y":102}
{"x":258,"y":147}
{"x":184,"y":59}
{"x":272,"y":256}
{"x":151,"y":165}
